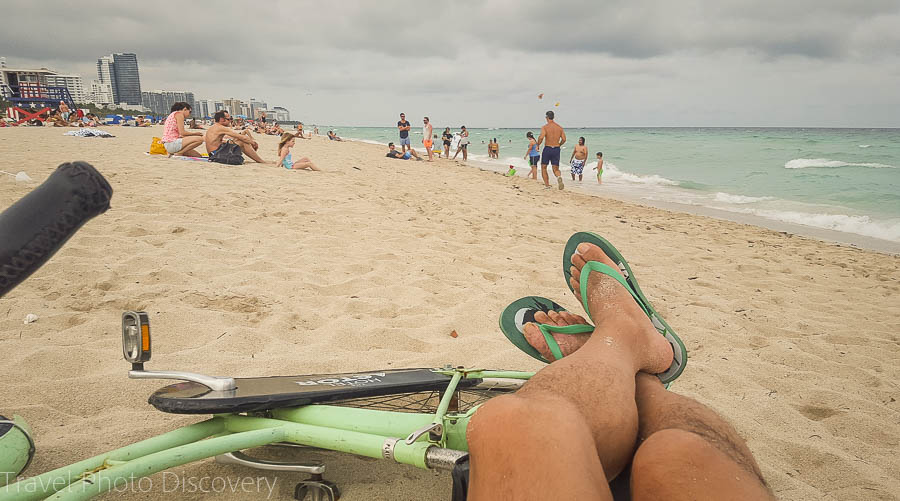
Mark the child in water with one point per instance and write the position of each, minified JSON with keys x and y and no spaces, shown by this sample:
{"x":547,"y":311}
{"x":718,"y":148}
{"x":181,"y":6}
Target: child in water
{"x":599,"y":167}
{"x":284,"y":154}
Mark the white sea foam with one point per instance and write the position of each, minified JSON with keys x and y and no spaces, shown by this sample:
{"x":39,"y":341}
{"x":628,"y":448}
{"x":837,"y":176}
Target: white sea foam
{"x":865,"y":145}
{"x":803,"y":163}
{"x":859,"y":225}
{"x":739,"y":199}
{"x":611,"y":172}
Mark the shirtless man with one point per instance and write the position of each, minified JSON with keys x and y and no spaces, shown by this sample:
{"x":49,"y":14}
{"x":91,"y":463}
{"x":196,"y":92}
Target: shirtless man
{"x":426,"y":138}
{"x":555,"y":137}
{"x":216,"y":136}
{"x":578,"y":158}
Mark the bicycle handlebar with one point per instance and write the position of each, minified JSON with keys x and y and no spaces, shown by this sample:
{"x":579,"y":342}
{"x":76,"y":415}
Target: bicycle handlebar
{"x":35,"y":227}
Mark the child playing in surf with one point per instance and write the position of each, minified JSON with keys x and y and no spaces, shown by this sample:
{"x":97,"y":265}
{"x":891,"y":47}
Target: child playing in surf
{"x":284,"y":154}
{"x":599,"y":167}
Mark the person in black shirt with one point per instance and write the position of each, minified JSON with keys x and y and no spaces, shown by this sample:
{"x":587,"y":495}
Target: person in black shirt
{"x":404,"y":127}
{"x":448,"y":138}
{"x":402,"y":155}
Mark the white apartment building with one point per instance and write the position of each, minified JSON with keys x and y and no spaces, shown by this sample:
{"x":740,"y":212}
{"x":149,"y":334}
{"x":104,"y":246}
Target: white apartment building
{"x":74,"y":83}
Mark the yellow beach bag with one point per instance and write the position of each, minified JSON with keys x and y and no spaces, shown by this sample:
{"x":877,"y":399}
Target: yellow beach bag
{"x":157,"y":147}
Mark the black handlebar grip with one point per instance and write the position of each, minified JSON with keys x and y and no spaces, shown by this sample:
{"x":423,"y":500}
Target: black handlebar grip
{"x":35,"y":227}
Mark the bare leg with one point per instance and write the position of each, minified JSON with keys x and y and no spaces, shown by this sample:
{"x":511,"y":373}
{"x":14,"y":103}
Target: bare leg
{"x":578,"y":413}
{"x":688,"y":451}
{"x":558,"y":175}
{"x":306,"y":163}
{"x":533,"y":173}
{"x":187,"y":146}
{"x":250,"y":152}
{"x":465,"y":154}
{"x":545,"y":175}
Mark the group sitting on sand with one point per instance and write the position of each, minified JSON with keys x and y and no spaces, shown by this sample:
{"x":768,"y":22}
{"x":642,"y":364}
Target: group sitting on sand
{"x":179,"y":141}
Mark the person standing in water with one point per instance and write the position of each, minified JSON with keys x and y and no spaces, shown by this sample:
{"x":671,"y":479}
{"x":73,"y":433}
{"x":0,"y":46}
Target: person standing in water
{"x":599,"y":167}
{"x":578,"y":158}
{"x":555,"y":137}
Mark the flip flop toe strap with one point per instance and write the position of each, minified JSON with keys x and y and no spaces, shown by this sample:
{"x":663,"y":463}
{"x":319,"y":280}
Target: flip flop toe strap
{"x":609,"y":271}
{"x":547,"y":330}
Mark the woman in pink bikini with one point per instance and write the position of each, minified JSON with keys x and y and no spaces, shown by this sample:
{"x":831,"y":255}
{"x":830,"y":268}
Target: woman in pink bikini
{"x":176,"y":140}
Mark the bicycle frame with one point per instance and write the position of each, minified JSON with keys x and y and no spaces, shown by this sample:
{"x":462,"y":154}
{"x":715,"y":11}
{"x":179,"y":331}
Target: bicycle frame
{"x":432,"y":441}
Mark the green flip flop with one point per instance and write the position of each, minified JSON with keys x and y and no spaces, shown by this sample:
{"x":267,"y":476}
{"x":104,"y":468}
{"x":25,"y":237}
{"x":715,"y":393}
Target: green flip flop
{"x":625,"y":276}
{"x":522,"y":311}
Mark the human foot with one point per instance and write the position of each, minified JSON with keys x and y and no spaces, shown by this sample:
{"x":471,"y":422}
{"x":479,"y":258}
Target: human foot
{"x":568,"y":343}
{"x":616,"y":313}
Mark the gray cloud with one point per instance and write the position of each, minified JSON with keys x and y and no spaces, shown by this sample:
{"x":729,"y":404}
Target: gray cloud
{"x":726,"y":62}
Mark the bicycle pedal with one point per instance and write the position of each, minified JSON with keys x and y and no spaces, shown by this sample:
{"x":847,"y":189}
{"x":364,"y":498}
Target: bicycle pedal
{"x":316,"y":489}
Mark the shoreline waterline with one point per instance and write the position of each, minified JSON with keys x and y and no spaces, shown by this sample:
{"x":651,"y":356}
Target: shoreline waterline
{"x":661,"y":193}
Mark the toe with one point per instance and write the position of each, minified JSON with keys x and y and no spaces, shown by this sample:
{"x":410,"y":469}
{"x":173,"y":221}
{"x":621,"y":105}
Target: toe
{"x":573,"y":319}
{"x":589,"y":252}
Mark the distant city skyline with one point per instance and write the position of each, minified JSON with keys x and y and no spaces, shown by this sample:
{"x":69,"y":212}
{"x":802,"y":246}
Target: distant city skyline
{"x":650,"y":63}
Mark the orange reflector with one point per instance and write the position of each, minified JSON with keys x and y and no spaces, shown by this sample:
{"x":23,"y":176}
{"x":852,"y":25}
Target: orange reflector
{"x":145,"y":337}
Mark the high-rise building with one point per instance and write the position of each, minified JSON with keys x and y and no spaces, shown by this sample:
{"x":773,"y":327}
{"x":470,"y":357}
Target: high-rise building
{"x":281,"y":114}
{"x":120,"y":72}
{"x":74,"y":83}
{"x":233,"y":106}
{"x":256,"y":107}
{"x":101,"y":93}
{"x":201,"y":109}
{"x":160,"y":101}
{"x":128,"y":78}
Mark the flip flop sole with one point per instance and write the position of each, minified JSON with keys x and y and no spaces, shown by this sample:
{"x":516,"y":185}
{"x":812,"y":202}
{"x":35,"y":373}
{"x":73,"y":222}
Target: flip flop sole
{"x":521,"y":312}
{"x":680,"y":353}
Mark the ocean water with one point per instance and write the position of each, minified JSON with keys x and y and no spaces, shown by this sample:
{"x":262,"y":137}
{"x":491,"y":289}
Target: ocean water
{"x":845,"y":180}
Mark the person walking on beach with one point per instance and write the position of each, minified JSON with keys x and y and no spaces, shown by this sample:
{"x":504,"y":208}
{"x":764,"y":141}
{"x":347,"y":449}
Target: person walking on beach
{"x":403,"y":126}
{"x":177,"y":140}
{"x":217,"y":133}
{"x":533,"y":155}
{"x":426,"y":138}
{"x":463,"y":143}
{"x":578,"y":158}
{"x":553,"y":136}
{"x":447,"y":137}
{"x":599,"y":167}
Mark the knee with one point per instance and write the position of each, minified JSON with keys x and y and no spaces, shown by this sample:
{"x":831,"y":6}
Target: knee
{"x":512,"y":417}
{"x":677,"y":461}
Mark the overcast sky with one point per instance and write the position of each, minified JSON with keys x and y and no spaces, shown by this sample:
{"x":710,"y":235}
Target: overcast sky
{"x":483,"y":63}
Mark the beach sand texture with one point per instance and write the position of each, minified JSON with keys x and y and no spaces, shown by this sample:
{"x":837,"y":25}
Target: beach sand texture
{"x":253,"y":270}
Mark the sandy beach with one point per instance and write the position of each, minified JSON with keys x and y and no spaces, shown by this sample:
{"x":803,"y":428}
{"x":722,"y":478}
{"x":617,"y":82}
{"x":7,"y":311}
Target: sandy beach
{"x":254,"y":270}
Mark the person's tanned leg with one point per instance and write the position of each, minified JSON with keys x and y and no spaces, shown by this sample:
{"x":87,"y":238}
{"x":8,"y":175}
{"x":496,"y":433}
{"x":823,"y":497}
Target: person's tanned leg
{"x":688,"y":451}
{"x":576,"y":420}
{"x":188,"y":144}
{"x":545,"y":175}
{"x":250,"y":152}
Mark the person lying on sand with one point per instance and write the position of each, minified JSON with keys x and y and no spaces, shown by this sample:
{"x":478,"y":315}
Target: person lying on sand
{"x":217,"y":133}
{"x":581,"y":420}
{"x":393,"y":153}
{"x":334,"y":137}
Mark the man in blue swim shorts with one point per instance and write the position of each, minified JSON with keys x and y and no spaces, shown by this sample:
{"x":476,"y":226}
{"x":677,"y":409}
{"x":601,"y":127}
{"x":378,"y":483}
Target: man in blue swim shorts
{"x":406,"y":155}
{"x":555,"y":137}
